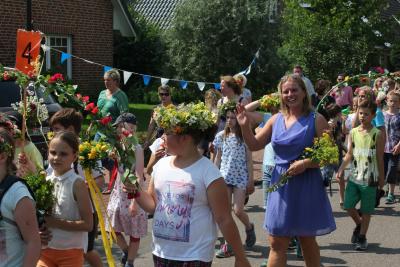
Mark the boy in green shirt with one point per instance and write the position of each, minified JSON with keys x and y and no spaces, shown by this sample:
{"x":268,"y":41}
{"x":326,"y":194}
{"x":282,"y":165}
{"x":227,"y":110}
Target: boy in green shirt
{"x":365,"y":151}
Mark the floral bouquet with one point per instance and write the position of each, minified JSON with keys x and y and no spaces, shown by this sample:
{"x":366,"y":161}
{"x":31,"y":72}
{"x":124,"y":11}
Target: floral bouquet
{"x":181,"y":119}
{"x":43,"y":191}
{"x":323,"y":151}
{"x":36,"y":110}
{"x":270,"y":102}
{"x":91,"y":152}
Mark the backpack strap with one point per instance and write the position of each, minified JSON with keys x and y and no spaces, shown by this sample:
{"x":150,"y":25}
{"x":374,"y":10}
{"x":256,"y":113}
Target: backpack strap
{"x":6,"y":184}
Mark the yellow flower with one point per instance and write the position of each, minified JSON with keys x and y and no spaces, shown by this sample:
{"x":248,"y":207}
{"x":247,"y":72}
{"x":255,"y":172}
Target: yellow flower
{"x":81,"y":158}
{"x":92,"y":155}
{"x":50,"y":135}
{"x":308,"y":149}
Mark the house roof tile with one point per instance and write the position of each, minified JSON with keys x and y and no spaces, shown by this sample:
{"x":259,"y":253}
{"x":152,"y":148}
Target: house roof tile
{"x":159,"y":12}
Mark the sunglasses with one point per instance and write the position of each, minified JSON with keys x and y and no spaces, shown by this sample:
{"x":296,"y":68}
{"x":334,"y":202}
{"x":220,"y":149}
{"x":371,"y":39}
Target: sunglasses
{"x":163,"y":94}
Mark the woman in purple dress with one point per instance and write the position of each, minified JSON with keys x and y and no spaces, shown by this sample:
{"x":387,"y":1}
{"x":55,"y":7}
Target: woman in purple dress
{"x":300,"y":208}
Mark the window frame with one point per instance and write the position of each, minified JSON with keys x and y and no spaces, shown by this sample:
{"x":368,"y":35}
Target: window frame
{"x":69,"y":51}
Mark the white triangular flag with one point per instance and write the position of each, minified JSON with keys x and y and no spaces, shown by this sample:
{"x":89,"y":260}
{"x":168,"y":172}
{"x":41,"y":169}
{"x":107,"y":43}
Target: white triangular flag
{"x":127,"y":75}
{"x":164,"y":81}
{"x":247,"y":70}
{"x":201,"y":85}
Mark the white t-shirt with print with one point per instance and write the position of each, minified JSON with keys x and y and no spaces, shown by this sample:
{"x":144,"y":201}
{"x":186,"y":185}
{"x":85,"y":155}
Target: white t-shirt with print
{"x":183,"y":225}
{"x":12,"y":247}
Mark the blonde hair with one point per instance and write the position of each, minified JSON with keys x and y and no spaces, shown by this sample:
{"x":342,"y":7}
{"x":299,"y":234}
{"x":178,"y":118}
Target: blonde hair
{"x":211,"y":98}
{"x":307,"y":108}
{"x":113,"y":74}
{"x":241,"y":79}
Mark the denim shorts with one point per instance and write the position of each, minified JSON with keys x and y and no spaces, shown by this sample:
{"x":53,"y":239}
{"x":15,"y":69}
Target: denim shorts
{"x":391,"y":163}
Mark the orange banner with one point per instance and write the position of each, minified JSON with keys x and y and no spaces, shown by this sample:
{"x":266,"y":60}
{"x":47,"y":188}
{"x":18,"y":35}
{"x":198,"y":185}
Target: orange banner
{"x":28,"y":49}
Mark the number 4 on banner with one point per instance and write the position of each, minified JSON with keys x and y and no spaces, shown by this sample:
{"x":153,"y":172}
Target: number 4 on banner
{"x":28,"y":48}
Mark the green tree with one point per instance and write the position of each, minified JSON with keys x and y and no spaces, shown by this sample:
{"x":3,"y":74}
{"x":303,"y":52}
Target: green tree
{"x":145,"y":53}
{"x":213,"y":38}
{"x":333,"y":36}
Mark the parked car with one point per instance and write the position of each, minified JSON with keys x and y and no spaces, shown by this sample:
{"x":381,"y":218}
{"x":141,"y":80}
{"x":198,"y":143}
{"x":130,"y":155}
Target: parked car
{"x":10,"y":94}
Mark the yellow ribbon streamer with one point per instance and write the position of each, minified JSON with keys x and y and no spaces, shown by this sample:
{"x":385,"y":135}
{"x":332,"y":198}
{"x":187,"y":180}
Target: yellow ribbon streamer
{"x":97,"y":199}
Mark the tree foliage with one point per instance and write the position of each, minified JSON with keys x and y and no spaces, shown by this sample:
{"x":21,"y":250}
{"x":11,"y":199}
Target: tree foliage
{"x":213,"y":38}
{"x":333,"y":36}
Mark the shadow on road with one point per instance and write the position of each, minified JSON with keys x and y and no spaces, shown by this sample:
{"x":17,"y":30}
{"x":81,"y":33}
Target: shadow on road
{"x":374,"y":248}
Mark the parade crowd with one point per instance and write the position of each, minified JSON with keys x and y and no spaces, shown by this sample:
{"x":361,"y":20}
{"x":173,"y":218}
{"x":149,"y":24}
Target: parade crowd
{"x":200,"y":174}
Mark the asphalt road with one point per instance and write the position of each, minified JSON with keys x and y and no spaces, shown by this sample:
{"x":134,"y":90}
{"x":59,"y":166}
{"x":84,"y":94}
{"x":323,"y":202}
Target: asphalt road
{"x":336,"y":250}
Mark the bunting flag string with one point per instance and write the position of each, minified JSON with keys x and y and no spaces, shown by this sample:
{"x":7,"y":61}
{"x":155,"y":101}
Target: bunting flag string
{"x":64,"y":56}
{"x":253,"y":62}
{"x":147,"y":78}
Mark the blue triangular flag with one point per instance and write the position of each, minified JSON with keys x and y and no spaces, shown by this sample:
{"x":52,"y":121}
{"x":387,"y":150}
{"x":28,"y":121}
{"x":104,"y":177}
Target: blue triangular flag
{"x":217,"y":86}
{"x":107,"y":68}
{"x":183,"y":84}
{"x":64,"y":56}
{"x":146,"y":79}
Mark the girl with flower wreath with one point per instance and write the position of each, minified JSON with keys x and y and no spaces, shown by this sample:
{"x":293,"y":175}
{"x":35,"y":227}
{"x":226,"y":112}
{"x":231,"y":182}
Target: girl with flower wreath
{"x":187,"y":193}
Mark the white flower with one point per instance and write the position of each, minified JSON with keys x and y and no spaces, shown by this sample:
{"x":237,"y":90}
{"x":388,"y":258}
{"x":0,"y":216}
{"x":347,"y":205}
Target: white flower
{"x":387,"y":44}
{"x":348,"y":4}
{"x":378,"y":33}
{"x":174,"y":120}
{"x":364,"y":19}
{"x":192,"y":120}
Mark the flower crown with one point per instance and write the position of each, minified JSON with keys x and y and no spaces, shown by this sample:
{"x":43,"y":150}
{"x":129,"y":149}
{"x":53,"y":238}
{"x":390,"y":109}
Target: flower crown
{"x":5,"y":147}
{"x":228,"y":106}
{"x":181,"y":119}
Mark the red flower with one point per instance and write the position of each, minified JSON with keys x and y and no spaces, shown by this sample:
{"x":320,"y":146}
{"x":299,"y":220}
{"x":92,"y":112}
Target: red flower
{"x":32,"y":106}
{"x":126,"y":133}
{"x":79,"y":96}
{"x":380,"y":70}
{"x":58,"y":77}
{"x":106,"y":120}
{"x":31,"y":74}
{"x":85,"y":99}
{"x":89,"y":106}
{"x":95,"y":110}
{"x":6,"y":76}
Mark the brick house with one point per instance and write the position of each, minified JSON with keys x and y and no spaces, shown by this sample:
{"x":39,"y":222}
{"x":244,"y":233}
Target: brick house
{"x":78,"y":27}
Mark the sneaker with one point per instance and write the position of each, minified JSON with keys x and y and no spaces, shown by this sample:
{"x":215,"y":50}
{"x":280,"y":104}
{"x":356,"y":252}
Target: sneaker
{"x":250,"y":237}
{"x":224,"y":252}
{"x":264,"y":263}
{"x":356,"y":232}
{"x":292,"y":243}
{"x":299,"y":253}
{"x":390,"y":199}
{"x":124,"y":258}
{"x":361,"y":244}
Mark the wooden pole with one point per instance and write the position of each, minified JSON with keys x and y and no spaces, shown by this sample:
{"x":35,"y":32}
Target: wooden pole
{"x":23,"y":130}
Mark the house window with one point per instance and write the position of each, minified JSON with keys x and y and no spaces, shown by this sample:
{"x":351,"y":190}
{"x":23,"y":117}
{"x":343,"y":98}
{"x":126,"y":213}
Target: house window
{"x":58,"y":44}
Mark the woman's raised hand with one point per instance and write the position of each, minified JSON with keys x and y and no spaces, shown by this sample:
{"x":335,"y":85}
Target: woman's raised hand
{"x":241,"y":115}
